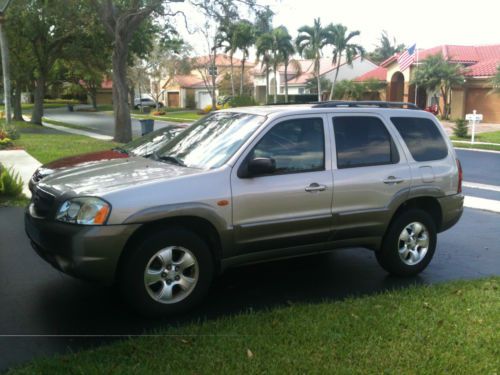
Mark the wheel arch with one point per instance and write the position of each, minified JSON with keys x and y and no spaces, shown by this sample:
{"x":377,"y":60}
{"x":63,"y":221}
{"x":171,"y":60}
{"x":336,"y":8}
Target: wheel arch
{"x":428,"y":204}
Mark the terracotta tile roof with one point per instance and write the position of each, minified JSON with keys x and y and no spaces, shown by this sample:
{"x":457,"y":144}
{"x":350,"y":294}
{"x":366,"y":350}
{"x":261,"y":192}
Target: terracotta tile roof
{"x":481,"y":61}
{"x":187,"y":81}
{"x":221,"y":60}
{"x":107,"y":84}
{"x":380,"y":74}
{"x":486,"y":68}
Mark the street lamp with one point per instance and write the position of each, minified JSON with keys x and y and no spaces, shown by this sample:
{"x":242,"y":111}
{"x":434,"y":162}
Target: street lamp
{"x":4,"y":48}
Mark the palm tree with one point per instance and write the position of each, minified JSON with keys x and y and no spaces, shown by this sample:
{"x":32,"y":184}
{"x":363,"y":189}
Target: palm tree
{"x":244,"y":39}
{"x":340,"y":39}
{"x":284,"y":51}
{"x":310,"y":43}
{"x":264,"y":55}
{"x":226,"y":37}
{"x":435,"y":73}
{"x":496,"y":80}
{"x":386,"y":48}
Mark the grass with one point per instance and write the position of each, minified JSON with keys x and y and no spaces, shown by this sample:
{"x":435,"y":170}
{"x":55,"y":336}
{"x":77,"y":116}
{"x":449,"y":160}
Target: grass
{"x":14,"y":202}
{"x":174,"y":117}
{"x":489,"y":137}
{"x":48,"y":147}
{"x":46,"y":104}
{"x":449,"y":328}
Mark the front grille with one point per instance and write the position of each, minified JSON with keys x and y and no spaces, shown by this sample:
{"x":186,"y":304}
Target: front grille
{"x":42,"y":202}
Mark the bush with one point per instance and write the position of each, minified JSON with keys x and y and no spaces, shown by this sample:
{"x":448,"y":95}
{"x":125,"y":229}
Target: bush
{"x":10,"y":131}
{"x":5,"y":143}
{"x":241,"y":101}
{"x":460,"y":129}
{"x":190,"y":101}
{"x":11,"y":184}
{"x":208,"y":108}
{"x":296,"y":99}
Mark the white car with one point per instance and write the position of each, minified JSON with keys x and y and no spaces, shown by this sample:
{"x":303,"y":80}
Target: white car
{"x":146,"y":102}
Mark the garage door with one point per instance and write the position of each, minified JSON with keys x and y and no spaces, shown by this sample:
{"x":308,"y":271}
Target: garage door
{"x":204,"y":99}
{"x":484,"y":102}
{"x":173,"y":99}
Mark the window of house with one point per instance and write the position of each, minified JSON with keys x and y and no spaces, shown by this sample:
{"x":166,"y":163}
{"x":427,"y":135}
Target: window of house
{"x":301,"y":90}
{"x":422,"y":137}
{"x":296,"y":146}
{"x":363,"y":141}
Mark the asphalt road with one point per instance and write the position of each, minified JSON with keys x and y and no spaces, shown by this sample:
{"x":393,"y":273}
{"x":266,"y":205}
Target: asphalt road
{"x":43,"y":312}
{"x":98,"y":122}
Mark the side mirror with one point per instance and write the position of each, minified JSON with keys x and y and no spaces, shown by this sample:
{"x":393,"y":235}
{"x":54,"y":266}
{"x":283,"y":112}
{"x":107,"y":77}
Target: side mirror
{"x":260,"y":166}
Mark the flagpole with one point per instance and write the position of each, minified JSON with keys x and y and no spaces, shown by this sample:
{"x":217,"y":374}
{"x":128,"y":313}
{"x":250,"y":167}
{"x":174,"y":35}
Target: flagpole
{"x":416,"y":86}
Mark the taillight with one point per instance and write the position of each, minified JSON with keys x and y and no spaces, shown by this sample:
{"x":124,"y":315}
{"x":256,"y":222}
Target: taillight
{"x":460,"y":176}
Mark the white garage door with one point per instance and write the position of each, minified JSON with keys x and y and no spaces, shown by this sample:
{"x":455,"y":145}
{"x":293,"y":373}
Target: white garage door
{"x":204,"y":99}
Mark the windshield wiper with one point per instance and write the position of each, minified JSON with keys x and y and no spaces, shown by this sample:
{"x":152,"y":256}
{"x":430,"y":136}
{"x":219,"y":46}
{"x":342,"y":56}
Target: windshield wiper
{"x":168,"y":159}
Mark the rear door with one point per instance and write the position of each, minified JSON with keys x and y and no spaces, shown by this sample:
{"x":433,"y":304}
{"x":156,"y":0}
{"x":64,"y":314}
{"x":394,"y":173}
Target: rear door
{"x":370,"y":173}
{"x":291,"y":207}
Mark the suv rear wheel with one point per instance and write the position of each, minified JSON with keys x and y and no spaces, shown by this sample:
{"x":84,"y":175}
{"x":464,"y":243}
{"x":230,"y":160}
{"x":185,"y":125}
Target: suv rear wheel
{"x":409,"y":244}
{"x":167,"y":273}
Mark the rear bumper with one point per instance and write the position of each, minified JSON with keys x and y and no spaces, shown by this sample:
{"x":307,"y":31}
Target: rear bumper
{"x":86,"y":252}
{"x":452,"y":207}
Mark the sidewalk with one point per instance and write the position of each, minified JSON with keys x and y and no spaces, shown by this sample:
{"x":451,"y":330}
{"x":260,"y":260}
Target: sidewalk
{"x":22,"y":163}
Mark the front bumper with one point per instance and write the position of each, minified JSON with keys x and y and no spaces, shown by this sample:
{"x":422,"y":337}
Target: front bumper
{"x":86,"y":252}
{"x":452,"y":207}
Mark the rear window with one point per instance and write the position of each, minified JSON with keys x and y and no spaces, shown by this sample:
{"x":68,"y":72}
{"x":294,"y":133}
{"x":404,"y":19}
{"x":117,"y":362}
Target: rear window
{"x":422,"y":137}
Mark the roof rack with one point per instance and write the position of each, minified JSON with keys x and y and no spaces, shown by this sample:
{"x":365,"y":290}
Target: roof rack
{"x":357,"y":104}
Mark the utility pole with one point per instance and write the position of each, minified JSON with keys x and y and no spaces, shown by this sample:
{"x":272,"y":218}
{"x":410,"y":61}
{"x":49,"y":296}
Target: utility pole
{"x":4,"y":48}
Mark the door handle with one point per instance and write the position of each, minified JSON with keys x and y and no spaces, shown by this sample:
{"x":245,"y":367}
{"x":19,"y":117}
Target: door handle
{"x":392,"y":180}
{"x":315,"y":187}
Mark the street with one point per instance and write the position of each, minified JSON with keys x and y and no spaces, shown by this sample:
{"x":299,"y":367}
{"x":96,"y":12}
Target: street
{"x":46,"y":312}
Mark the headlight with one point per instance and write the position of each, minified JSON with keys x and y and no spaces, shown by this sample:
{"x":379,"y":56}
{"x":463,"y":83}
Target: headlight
{"x":87,"y":211}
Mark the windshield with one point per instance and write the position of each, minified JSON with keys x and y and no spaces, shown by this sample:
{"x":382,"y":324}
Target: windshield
{"x":151,"y":142}
{"x":211,"y":141}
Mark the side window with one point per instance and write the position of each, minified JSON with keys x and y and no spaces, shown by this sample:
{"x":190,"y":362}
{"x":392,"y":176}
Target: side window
{"x":422,"y":137}
{"x":296,"y":146}
{"x":363,"y":141}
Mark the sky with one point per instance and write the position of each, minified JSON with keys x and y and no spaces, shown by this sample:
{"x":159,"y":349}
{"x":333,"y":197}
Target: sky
{"x":427,"y":23}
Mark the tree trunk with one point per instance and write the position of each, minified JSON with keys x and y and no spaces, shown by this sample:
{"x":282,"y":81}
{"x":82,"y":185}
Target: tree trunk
{"x":6,"y":71}
{"x":318,"y":78}
{"x":214,"y":81}
{"x":286,"y":81}
{"x":267,"y":84}
{"x":37,"y":113}
{"x":123,"y":122}
{"x":131,"y":91}
{"x":93,"y":98}
{"x":275,"y":93}
{"x":335,"y":79}
{"x":242,"y":75}
{"x":16,"y":103}
{"x":232,"y":73}
{"x":445,"y":103}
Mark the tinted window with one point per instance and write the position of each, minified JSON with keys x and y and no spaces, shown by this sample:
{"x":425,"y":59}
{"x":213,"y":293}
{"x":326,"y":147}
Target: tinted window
{"x":363,"y":141}
{"x":296,"y":146}
{"x":422,"y":138}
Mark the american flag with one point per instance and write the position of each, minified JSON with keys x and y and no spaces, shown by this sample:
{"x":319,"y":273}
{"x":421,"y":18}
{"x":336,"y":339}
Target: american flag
{"x":407,"y":58}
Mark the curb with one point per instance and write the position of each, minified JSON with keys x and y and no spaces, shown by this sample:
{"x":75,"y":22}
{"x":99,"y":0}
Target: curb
{"x":78,"y":132}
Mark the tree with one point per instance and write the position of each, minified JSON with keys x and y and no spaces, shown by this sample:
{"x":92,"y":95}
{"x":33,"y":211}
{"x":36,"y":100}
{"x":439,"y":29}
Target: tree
{"x":340,"y":39}
{"x":226,"y":38}
{"x":286,"y":50}
{"x":263,"y":46}
{"x":496,"y":80}
{"x":48,"y":30}
{"x":122,"y":19}
{"x":386,"y":48}
{"x":310,"y":42}
{"x":435,"y":73}
{"x":245,"y":38}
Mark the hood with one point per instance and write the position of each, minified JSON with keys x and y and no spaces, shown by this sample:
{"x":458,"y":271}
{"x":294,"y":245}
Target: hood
{"x":102,"y":177}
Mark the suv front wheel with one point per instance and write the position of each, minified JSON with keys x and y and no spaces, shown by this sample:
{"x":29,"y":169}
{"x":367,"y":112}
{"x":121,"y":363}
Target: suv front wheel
{"x":168,"y":272}
{"x":409,"y":244}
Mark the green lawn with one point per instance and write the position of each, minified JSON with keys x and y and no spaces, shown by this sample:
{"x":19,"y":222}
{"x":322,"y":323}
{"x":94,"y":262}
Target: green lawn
{"x":47,"y":104}
{"x":174,"y":116}
{"x":48,"y":147}
{"x":489,"y":137}
{"x":443,"y":329}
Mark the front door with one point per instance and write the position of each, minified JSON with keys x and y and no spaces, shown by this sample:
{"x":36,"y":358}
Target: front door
{"x":370,"y":174}
{"x":173,"y":99}
{"x":293,"y":205}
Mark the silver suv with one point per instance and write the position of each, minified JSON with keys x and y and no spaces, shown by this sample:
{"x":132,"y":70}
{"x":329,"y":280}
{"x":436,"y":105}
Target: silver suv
{"x":252,"y":184}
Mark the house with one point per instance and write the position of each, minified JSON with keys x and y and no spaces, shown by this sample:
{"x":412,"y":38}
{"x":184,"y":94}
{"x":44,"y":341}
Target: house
{"x":298,"y":78}
{"x":193,"y":90}
{"x":480,"y":64}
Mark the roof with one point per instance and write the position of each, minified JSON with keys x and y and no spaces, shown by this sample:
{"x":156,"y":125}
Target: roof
{"x":379,"y":74}
{"x":188,"y":81}
{"x":481,"y":61}
{"x":220,"y":60}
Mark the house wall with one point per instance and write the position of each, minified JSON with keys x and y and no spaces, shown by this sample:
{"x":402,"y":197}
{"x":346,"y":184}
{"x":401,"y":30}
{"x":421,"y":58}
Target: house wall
{"x":104,"y":97}
{"x":347,"y":72}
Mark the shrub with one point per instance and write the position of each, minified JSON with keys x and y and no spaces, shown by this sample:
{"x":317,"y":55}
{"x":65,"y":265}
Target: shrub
{"x":10,"y":131}
{"x":190,"y":101}
{"x":5,"y":143}
{"x":242,"y":101}
{"x":208,"y":108}
{"x":159,"y":113}
{"x":460,"y":129}
{"x":11,"y":184}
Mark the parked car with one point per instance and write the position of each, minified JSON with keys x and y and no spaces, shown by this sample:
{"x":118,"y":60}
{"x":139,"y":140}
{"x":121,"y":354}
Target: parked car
{"x":252,"y":184}
{"x":146,"y":102}
{"x":143,"y":146}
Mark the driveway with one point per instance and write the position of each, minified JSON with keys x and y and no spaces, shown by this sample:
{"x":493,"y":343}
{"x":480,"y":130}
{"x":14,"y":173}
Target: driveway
{"x":98,"y":122}
{"x":45,"y":312}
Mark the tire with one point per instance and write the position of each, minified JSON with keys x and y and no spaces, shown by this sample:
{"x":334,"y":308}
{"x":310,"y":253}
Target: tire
{"x":171,"y":285}
{"x":408,"y":254}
